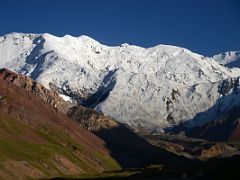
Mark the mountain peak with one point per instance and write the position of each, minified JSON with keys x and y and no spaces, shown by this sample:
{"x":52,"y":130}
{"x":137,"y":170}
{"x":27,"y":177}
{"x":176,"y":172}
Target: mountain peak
{"x":167,"y":84}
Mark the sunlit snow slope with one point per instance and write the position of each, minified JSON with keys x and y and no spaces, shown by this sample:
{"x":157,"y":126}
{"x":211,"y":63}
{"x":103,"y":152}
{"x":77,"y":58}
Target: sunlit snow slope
{"x":229,"y":59}
{"x":149,"y":88}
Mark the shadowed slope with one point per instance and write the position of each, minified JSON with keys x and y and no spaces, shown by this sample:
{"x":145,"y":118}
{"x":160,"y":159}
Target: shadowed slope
{"x":129,"y":149}
{"x":222,"y":129}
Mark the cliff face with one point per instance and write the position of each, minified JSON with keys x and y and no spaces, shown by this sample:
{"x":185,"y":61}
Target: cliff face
{"x":22,"y":81}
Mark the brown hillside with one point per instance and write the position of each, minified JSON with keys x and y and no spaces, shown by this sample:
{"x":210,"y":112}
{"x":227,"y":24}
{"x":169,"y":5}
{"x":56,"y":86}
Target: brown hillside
{"x":37,"y":140}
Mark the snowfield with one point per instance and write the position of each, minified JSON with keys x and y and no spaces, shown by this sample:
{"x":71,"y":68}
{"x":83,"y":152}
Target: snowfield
{"x":151,"y":88}
{"x":229,"y":59}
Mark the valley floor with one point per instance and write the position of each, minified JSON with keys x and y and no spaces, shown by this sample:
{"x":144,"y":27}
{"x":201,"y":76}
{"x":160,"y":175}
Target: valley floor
{"x":215,"y":169}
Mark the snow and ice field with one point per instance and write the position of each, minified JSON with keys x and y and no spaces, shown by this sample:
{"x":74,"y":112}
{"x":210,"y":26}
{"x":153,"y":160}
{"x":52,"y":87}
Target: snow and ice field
{"x":152,"y":88}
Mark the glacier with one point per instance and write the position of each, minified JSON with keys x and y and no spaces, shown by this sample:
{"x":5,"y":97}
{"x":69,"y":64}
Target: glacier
{"x":146,"y":88}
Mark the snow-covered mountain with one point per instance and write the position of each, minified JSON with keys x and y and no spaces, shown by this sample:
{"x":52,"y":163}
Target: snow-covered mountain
{"x":150,"y":88}
{"x":229,"y":59}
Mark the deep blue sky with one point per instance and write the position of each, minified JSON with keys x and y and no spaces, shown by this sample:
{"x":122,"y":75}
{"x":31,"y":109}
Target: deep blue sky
{"x":204,"y":26}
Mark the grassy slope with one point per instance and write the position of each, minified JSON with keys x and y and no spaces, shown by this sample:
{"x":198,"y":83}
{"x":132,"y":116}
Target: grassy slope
{"x":40,"y":147}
